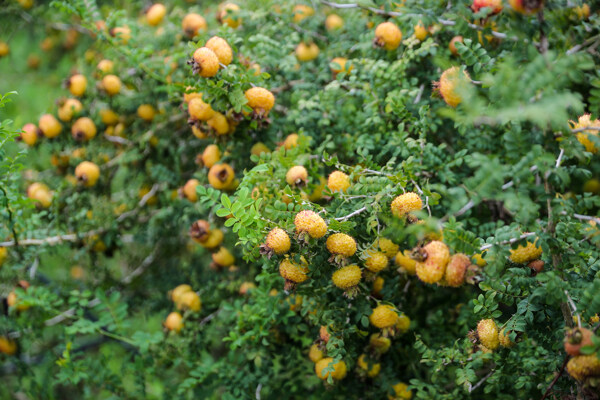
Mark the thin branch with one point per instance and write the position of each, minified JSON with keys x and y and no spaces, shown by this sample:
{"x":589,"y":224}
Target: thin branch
{"x":142,"y":267}
{"x":511,"y":241}
{"x":72,"y":237}
{"x":352,"y":214}
{"x":560,"y":372}
{"x":485,"y":378}
{"x":141,"y":203}
{"x":117,"y":139}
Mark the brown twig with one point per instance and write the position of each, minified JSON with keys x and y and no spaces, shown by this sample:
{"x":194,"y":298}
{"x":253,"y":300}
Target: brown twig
{"x":560,"y":372}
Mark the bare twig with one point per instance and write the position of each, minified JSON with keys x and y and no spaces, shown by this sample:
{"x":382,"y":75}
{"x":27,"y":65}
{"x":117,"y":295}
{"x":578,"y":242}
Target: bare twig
{"x":511,"y":241}
{"x":117,"y":139}
{"x":352,"y":214}
{"x":485,"y":378}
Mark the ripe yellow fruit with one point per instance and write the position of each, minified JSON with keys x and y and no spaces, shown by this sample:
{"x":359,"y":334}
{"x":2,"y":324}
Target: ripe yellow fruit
{"x":146,"y":112}
{"x":302,"y":11}
{"x":174,"y":322}
{"x":109,"y":117}
{"x":223,"y":258}
{"x":69,"y":109}
{"x":77,"y":85}
{"x":83,"y":129}
{"x":338,"y":181}
{"x":315,"y":354}
{"x":210,"y":156}
{"x":221,"y":48}
{"x":220,"y":176}
{"x":479,"y":260}
{"x":401,"y":392}
{"x":487,"y":331}
{"x":333,"y":22}
{"x":8,"y":346}
{"x":4,"y":49}
{"x":192,"y":24}
{"x":260,"y":100}
{"x":383,"y":316}
{"x":87,"y":173}
{"x":290,"y":141}
{"x":523,"y":254}
{"x":206,"y":62}
{"x":452,"y":44}
{"x":585,"y":121}
{"x":199,"y":110}
{"x":290,"y":271}
{"x":377,"y":286}
{"x":432,"y":269}
{"x":29,"y":134}
{"x":421,"y":32}
{"x":111,"y":84}
{"x":123,"y":33}
{"x":388,"y":36}
{"x":338,"y":64}
{"x":347,"y":277}
{"x":582,"y":11}
{"x":278,"y":241}
{"x":259,"y":148}
{"x":307,"y":52}
{"x":370,"y":367}
{"x":341,"y":244}
{"x":404,"y":261}
{"x":49,"y":126}
{"x":218,"y":122}
{"x":189,"y":190}
{"x":387,"y":247}
{"x":179,"y":291}
{"x":504,"y":339}
{"x":456,"y":270}
{"x":40,"y":193}
{"x":105,"y":66}
{"x":215,"y":238}
{"x":246,"y":288}
{"x":451,"y":84}
{"x":310,"y":222}
{"x":339,"y":369}
{"x":155,"y":14}
{"x":380,"y":343}
{"x":3,"y":255}
{"x":189,"y":300}
{"x":406,"y":203}
{"x":296,"y":176}
{"x":403,"y":323}
{"x":375,"y":261}
{"x":583,"y":367}
{"x":228,"y":15}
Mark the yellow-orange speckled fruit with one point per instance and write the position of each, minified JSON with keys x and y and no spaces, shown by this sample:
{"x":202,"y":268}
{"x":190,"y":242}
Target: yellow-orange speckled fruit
{"x":206,"y":62}
{"x":341,"y":61}
{"x":223,"y":258}
{"x":421,"y":32}
{"x":200,"y":110}
{"x":291,"y":271}
{"x":40,"y":193}
{"x":189,"y":190}
{"x":219,"y":124}
{"x":387,"y":247}
{"x":582,"y":367}
{"x":155,"y":14}
{"x":315,"y":354}
{"x":111,"y":84}
{"x":380,"y":343}
{"x":433,"y":268}
{"x":523,"y":254}
{"x":404,"y":261}
{"x":215,"y":238}
{"x":451,"y":83}
{"x":369,"y":366}
{"x":228,"y":15}
{"x":260,"y":100}
{"x":211,"y":155}
{"x":452,"y":44}
{"x":456,"y":269}
{"x":87,"y":173}
{"x":338,"y":181}
{"x":383,"y":316}
{"x":504,"y":339}
{"x":585,"y":121}
{"x":347,"y":277}
{"x":179,"y":291}
{"x":189,"y":301}
{"x":69,"y":109}
{"x":220,"y":176}
{"x":174,"y":322}
{"x":278,"y":241}
{"x":339,"y":369}
{"x":77,"y":85}
{"x":403,"y":323}
{"x":375,"y":261}
{"x":406,"y":203}
{"x":302,"y":11}
{"x":221,"y":48}
{"x":192,"y":24}
{"x":49,"y":126}
{"x":388,"y":35}
{"x":377,"y":286}
{"x":296,"y":176}
{"x":342,"y":244}
{"x":83,"y":129}
{"x":401,"y":392}
{"x":487,"y":331}
{"x":310,"y":222}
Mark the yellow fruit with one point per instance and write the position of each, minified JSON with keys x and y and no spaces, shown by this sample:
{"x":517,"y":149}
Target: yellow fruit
{"x":179,"y":291}
{"x":109,"y":117}
{"x":155,"y":14}
{"x":451,"y":84}
{"x":3,"y":255}
{"x":192,"y":24}
{"x":29,"y":134}
{"x":215,"y":238}
{"x":293,"y":272}
{"x":246,"y":288}
{"x":377,"y":286}
{"x":210,"y":156}
{"x":404,"y":261}
{"x":583,"y":137}
{"x":146,"y":112}
{"x":504,"y":339}
{"x":8,"y":346}
{"x":122,"y":33}
{"x":339,"y":369}
{"x":49,"y":126}
{"x":111,"y":84}
{"x":421,"y":32}
{"x":206,"y":62}
{"x":383,"y":316}
{"x":83,"y":129}
{"x":310,"y":222}
{"x":259,"y":148}
{"x":333,"y":22}
{"x":189,"y":301}
{"x":87,"y":173}
{"x":40,"y":193}
{"x":526,"y":7}
{"x":69,"y":109}
{"x":479,"y":260}
{"x":307,"y":52}
{"x":223,"y":258}
{"x":338,"y":64}
{"x":582,"y":11}
{"x":199,"y":110}
{"x":290,"y":141}
{"x":221,"y":48}
{"x":432,"y":269}
{"x":401,"y":392}
{"x":388,"y":36}
{"x":583,"y":367}
{"x":315,"y":354}
{"x":524,"y":254}
{"x":278,"y":241}
{"x":105,"y":66}
{"x":301,"y":12}
{"x":487,"y":331}
{"x":338,"y":181}
{"x":387,"y":247}
{"x":403,"y":323}
{"x":228,"y":15}
{"x":347,"y":277}
{"x":296,"y":176}
{"x":189,"y":190}
{"x":174,"y":322}
{"x":260,"y":100}
{"x":317,"y":193}
{"x":380,"y":343}
{"x":219,"y":124}
{"x":452,"y":44}
{"x":406,"y":203}
{"x":591,"y":186}
{"x":77,"y":85}
{"x":370,"y":367}
{"x":341,"y":244}
{"x":456,"y":270}
{"x":220,"y":176}
{"x":375,"y":261}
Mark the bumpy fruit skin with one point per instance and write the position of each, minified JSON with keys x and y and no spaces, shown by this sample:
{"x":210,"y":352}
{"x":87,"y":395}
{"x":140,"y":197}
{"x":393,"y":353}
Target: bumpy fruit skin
{"x":189,"y":190}
{"x":228,"y":15}
{"x":383,"y":316}
{"x":347,"y":277}
{"x":339,"y":369}
{"x":380,"y":343}
{"x":341,"y":244}
{"x":77,"y":85}
{"x":456,"y":269}
{"x":310,"y":222}
{"x":324,"y":334}
{"x":223,"y":258}
{"x":433,"y":268}
{"x":221,"y":48}
{"x":375,"y":261}
{"x":371,"y":368}
{"x":155,"y":14}
{"x":218,"y":122}
{"x":526,"y":7}
{"x":406,"y":203}
{"x":315,"y":354}
{"x":401,"y":392}
{"x":111,"y":84}
{"x":87,"y":173}
{"x":83,"y":129}
{"x":211,"y":155}
{"x":577,"y":338}
{"x":450,"y":84}
{"x":452,"y":44}
{"x":174,"y":322}
{"x":199,"y":110}
{"x":487,"y":331}
{"x":192,"y":24}
{"x":302,"y":11}
{"x":583,"y":367}
{"x":388,"y":36}
{"x":278,"y":241}
{"x":523,"y":254}
{"x":7,"y":346}
{"x":585,"y":121}
{"x":338,"y":181}
{"x":296,"y":176}
{"x":504,"y":339}
{"x":333,"y":22}
{"x":49,"y":126}
{"x":220,"y":176}
{"x":206,"y":62}
{"x":404,"y":261}
{"x":495,"y":5}
{"x":387,"y":247}
{"x":260,"y":100}
{"x":291,"y":271}
{"x":189,"y":301}
{"x":29,"y":134}
{"x":307,"y":52}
